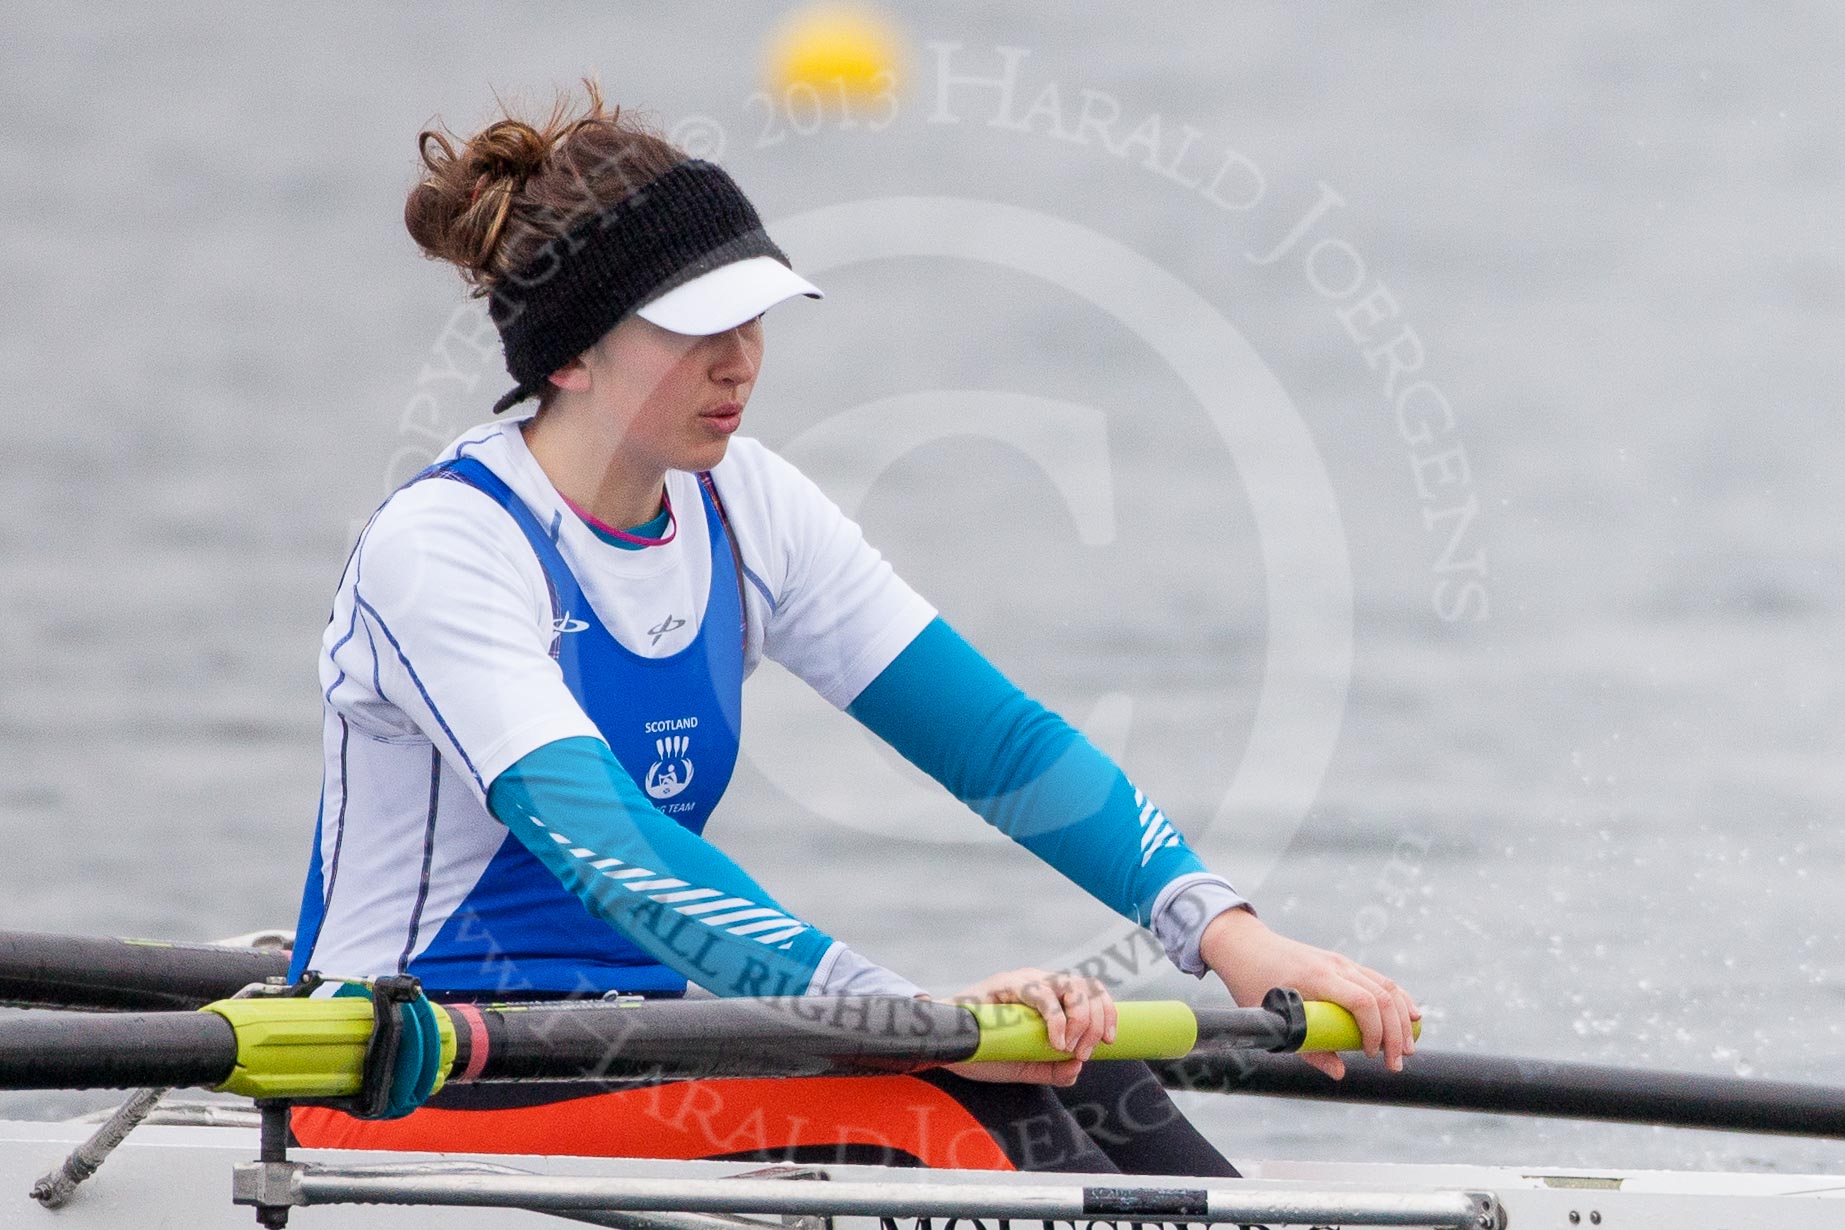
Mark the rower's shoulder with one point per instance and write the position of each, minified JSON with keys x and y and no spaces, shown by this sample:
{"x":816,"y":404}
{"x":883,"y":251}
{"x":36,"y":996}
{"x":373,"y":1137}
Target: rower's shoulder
{"x":434,"y":500}
{"x":441,"y":496}
{"x":436,"y":517}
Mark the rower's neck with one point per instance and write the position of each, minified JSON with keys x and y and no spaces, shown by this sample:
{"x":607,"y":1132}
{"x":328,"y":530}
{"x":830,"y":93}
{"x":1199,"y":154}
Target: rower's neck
{"x":611,"y":487}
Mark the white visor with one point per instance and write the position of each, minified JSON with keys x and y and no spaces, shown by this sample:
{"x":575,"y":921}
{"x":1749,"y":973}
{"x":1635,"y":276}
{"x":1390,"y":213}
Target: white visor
{"x":727,"y":296}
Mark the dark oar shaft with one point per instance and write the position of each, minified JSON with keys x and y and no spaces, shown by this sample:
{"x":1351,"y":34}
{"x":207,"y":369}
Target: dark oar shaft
{"x":737,"y":1037}
{"x":1240,"y":1029}
{"x":1503,"y":1085}
{"x":69,"y":971}
{"x":82,"y":1050}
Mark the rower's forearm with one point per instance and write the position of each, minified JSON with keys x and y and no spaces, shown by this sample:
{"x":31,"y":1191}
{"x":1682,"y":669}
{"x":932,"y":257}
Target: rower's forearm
{"x":668,"y":890}
{"x":1035,"y":778}
{"x":844,"y":972}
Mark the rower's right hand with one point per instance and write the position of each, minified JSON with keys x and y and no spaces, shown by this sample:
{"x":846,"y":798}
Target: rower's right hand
{"x":1079,"y":1015}
{"x":1241,"y":950}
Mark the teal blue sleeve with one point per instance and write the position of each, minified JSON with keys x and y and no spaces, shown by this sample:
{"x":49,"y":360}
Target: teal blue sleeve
{"x":573,"y":806}
{"x":950,"y":713}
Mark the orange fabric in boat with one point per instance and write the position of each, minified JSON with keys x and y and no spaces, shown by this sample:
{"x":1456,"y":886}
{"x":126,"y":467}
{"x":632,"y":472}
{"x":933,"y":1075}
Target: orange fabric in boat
{"x":689,"y":1120}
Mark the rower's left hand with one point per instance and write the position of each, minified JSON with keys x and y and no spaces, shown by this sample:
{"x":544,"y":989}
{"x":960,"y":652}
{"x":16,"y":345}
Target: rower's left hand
{"x":1079,"y":1015}
{"x":1241,"y":950}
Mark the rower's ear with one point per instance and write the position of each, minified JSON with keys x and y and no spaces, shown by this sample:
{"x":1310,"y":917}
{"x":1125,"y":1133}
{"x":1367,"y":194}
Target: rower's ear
{"x":573,"y":376}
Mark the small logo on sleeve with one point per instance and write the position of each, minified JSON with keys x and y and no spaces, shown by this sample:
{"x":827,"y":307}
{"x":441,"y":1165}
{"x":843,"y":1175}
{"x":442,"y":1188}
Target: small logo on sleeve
{"x":567,"y":624}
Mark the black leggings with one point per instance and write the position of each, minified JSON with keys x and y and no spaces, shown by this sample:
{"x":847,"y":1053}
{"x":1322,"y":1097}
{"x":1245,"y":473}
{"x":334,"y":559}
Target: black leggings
{"x":1116,"y":1118}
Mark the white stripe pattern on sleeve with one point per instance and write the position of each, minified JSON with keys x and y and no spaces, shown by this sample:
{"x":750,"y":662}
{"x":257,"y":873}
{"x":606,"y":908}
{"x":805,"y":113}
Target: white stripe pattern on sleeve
{"x":760,"y":923}
{"x":1156,"y":832}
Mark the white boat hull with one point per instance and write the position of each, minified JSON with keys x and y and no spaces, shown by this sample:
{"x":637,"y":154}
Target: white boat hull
{"x":179,"y":1178}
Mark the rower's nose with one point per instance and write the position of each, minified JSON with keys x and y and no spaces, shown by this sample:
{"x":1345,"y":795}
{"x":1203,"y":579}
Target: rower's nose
{"x":737,"y":354}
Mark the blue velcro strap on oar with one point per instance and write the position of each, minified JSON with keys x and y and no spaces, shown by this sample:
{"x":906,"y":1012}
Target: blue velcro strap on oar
{"x":404,"y":1057}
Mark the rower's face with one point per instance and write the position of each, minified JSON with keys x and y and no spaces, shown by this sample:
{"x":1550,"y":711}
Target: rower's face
{"x":674,"y":399}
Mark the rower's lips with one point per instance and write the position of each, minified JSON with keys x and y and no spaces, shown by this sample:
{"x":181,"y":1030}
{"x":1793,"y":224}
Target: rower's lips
{"x":725,"y":419}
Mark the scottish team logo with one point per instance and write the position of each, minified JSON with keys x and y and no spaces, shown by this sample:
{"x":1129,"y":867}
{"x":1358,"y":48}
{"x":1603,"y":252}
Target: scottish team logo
{"x":672,"y":771}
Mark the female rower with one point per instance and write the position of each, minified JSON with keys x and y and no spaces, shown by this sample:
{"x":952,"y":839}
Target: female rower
{"x":532,"y":685}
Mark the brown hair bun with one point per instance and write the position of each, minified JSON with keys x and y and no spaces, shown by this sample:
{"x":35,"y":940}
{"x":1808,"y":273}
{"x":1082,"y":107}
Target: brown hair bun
{"x":516,"y":185}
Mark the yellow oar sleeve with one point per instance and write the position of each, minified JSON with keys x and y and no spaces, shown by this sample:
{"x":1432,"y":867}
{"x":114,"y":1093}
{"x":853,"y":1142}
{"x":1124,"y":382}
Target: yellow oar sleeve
{"x":1146,"y":1029}
{"x":1332,"y":1028}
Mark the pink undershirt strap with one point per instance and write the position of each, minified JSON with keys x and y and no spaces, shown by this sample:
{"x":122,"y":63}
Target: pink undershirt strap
{"x":672,"y":524}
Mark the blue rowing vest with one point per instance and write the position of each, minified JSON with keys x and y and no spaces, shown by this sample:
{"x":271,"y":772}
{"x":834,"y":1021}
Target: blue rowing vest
{"x":672,"y":722}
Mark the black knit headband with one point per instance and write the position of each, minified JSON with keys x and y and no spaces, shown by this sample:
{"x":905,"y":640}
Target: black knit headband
{"x":687,"y":222}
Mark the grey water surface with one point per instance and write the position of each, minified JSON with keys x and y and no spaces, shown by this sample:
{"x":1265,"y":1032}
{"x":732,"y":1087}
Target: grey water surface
{"x":1578,"y":782}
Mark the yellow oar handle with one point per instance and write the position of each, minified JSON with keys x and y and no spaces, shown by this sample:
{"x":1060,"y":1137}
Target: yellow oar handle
{"x":1332,"y":1028}
{"x":1144,"y":1029}
{"x":1168,"y":1029}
